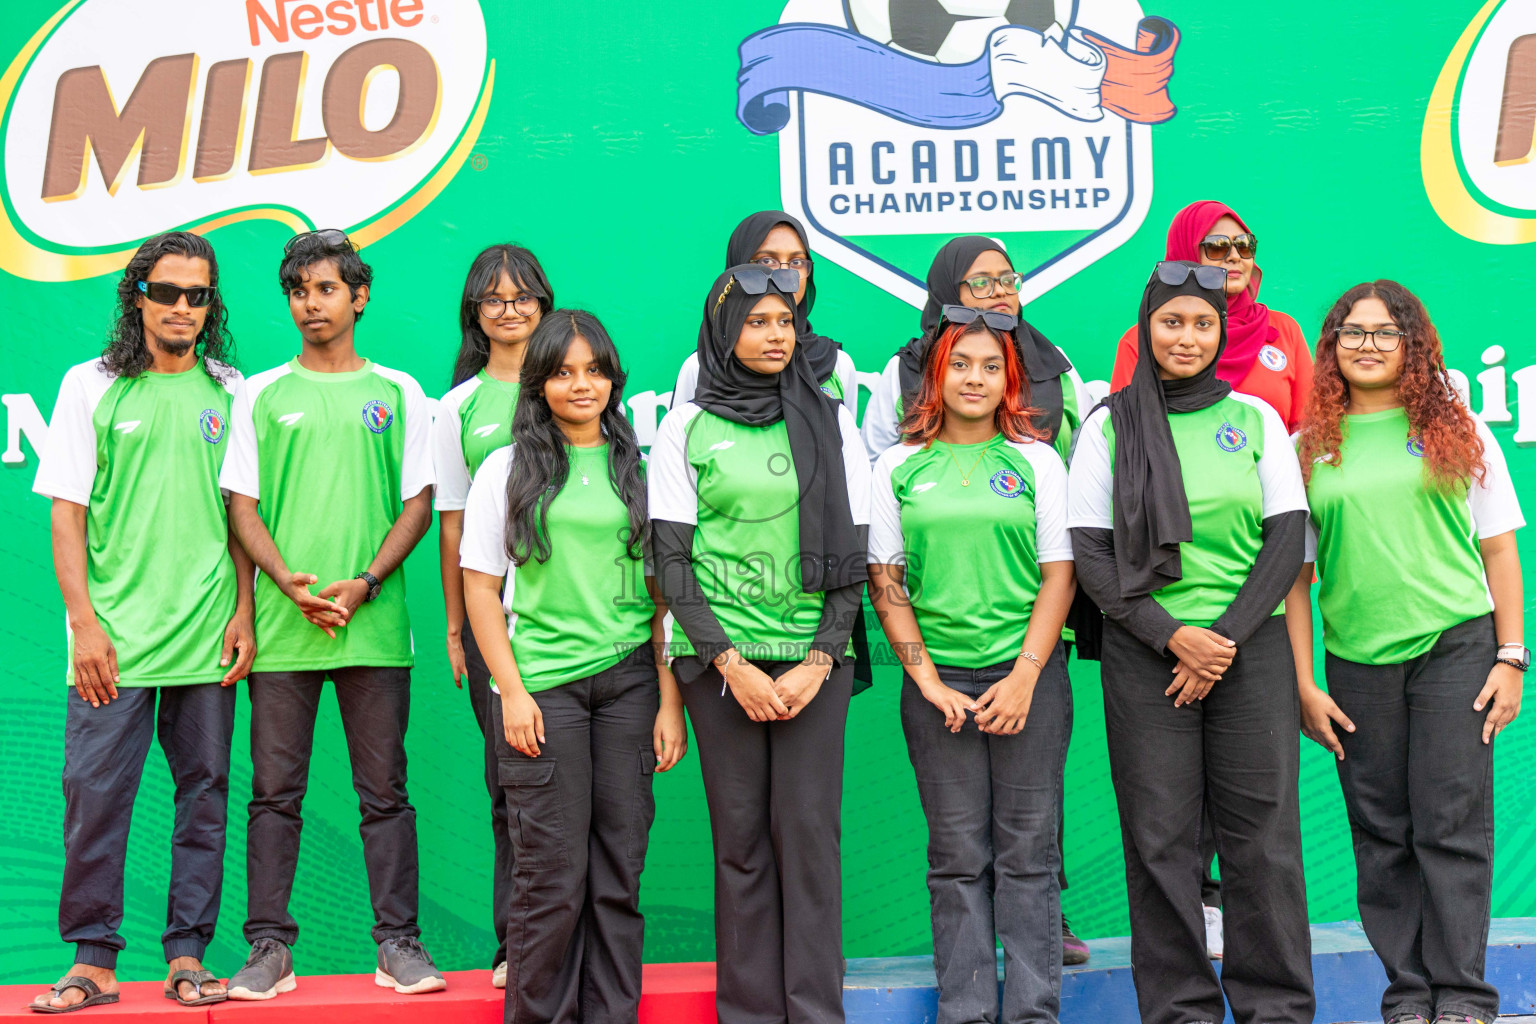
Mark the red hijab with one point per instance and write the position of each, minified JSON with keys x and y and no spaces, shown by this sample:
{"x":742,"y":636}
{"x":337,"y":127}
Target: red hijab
{"x":1248,"y":327}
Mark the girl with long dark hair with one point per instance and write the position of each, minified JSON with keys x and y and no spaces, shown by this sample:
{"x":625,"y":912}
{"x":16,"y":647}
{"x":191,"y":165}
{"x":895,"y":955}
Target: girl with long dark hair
{"x":759,"y":493}
{"x":776,"y":240}
{"x":974,"y":485}
{"x":1413,"y":534}
{"x":555,"y":582}
{"x":975,"y":271}
{"x":1188,"y":519}
{"x":505,"y":295}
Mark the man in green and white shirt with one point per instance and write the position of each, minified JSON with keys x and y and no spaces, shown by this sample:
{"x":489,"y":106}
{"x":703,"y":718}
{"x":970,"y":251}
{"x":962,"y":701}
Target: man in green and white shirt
{"x":159,"y":610}
{"x":330,"y":480}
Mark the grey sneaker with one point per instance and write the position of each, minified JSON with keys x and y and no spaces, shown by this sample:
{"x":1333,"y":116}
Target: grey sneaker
{"x":1408,"y":1018}
{"x":407,"y":967}
{"x":267,"y":972}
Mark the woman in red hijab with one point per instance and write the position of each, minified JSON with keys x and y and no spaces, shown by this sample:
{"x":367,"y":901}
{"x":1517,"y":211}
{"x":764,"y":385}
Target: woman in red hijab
{"x":1266,"y":355}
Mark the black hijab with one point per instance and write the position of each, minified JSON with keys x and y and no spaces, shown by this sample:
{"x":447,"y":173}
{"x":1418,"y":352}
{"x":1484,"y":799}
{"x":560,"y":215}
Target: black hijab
{"x":746,"y":240}
{"x":1043,"y":362}
{"x":832,"y":554}
{"x":1151,"y":510}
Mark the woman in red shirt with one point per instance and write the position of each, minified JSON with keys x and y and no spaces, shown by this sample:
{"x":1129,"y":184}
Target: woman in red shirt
{"x":1266,"y":355}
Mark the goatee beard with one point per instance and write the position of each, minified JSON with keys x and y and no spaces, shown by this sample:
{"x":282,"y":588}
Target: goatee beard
{"x":175,"y":347}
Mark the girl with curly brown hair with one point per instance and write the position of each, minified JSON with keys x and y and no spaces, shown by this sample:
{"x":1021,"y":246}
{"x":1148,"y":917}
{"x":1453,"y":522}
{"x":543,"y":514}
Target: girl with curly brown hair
{"x":1412,"y":532}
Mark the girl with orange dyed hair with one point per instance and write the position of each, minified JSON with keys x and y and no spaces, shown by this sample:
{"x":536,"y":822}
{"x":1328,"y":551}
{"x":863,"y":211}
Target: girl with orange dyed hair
{"x":1412,"y":532}
{"x":971,"y":575}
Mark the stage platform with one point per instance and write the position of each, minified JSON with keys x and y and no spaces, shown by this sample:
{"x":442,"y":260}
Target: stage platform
{"x":895,"y":990}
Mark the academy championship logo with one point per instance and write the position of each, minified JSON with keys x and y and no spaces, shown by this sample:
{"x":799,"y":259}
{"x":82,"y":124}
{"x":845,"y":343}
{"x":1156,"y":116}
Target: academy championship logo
{"x":378,"y":416}
{"x":1230,"y":438}
{"x":1416,"y":447}
{"x":1272,"y":358}
{"x":212,"y":425}
{"x":1478,"y":149}
{"x":1007,"y":483}
{"x":125,"y":119}
{"x":902,"y":123}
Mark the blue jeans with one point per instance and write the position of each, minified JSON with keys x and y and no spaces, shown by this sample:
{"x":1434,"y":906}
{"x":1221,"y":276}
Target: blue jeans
{"x":993,"y":805}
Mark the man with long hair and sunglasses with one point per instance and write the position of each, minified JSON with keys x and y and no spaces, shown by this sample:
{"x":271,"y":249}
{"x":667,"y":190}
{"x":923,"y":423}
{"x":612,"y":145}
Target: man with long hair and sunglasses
{"x":157,"y":596}
{"x":330,"y":480}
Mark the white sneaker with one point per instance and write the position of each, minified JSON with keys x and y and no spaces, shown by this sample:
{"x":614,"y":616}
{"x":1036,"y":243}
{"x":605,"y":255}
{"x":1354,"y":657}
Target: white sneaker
{"x":1214,"y":940}
{"x":499,"y":975}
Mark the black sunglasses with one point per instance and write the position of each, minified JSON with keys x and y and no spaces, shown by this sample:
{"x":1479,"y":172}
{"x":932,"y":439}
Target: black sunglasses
{"x":995,"y":319}
{"x":330,"y":236}
{"x":169,"y":294}
{"x":1174,"y":273}
{"x":754,"y":280}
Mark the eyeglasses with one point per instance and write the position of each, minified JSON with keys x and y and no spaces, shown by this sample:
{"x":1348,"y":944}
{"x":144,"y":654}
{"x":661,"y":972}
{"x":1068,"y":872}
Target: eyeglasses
{"x":330,"y":236}
{"x":993,"y":318}
{"x":493,"y":308}
{"x":1386,"y":339}
{"x":983,"y":285}
{"x":802,"y":264}
{"x":164,"y":294}
{"x":1175,"y":272}
{"x":1216,"y":247}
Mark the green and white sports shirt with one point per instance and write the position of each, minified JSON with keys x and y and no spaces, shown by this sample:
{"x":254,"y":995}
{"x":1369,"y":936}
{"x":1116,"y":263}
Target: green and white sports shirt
{"x":330,"y":459}
{"x":883,"y":414}
{"x":585,"y":609}
{"x":1399,"y":562}
{"x":473,"y":420}
{"x":1239,"y":468}
{"x":843,"y":385}
{"x":972,"y":552}
{"x":738,"y":486}
{"x":143,"y":454}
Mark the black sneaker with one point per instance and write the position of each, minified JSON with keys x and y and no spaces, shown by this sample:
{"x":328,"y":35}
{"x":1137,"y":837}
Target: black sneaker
{"x":268,"y":971}
{"x":1074,"y":950}
{"x":407,"y":967}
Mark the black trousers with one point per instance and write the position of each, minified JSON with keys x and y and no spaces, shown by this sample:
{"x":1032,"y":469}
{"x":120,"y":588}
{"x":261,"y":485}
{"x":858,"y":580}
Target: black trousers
{"x":104,"y":751}
{"x":775,"y":795}
{"x":581,"y":816}
{"x":486,"y":704}
{"x":1418,"y":785}
{"x":1238,"y":752}
{"x":375,"y":711}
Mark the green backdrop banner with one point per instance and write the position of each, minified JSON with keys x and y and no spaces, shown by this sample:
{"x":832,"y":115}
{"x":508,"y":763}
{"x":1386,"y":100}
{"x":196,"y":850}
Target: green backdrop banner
{"x":622,"y":143}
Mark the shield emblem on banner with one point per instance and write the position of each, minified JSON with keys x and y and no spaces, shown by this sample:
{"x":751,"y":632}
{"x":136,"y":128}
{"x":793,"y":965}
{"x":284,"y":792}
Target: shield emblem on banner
{"x":903,"y":123}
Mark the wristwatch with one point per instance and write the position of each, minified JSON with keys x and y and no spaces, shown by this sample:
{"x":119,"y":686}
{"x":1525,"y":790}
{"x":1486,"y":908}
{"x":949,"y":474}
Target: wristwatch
{"x":373,"y":584}
{"x":1516,"y":656}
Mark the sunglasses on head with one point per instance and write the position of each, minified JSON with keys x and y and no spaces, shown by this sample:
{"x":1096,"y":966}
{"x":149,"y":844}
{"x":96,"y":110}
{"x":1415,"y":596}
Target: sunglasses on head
{"x":754,"y":280}
{"x":1173,"y":273}
{"x":1216,"y":247}
{"x":330,"y":236}
{"x":165,"y":294}
{"x":995,"y":319}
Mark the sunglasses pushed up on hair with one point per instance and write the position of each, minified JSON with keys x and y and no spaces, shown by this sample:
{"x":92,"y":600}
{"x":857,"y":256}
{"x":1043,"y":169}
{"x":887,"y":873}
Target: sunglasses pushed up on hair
{"x":328,"y":236}
{"x":166,"y":294}
{"x":754,"y":279}
{"x":993,"y":318}
{"x":1174,"y":273}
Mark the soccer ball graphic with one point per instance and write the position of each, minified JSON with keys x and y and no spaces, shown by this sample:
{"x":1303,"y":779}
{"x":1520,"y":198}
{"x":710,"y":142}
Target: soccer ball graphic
{"x":948,"y":31}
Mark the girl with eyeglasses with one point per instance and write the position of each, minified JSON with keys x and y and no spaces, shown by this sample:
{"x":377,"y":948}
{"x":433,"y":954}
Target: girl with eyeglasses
{"x":1266,"y":355}
{"x":505,"y":295}
{"x":1188,"y":518}
{"x":986,"y":705}
{"x":975,"y":271}
{"x":1425,"y":655}
{"x":759,"y":499}
{"x":555,"y":537}
{"x":776,"y":240}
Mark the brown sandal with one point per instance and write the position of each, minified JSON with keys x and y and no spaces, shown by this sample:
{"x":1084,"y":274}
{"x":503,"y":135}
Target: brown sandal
{"x":197,"y":979}
{"x":94,"y":996}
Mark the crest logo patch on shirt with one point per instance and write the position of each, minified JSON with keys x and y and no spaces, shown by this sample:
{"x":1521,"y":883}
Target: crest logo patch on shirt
{"x":377,"y":416}
{"x":1230,"y":438}
{"x":1273,"y":358}
{"x":212,"y":425}
{"x":1416,"y":447}
{"x":1007,"y":483}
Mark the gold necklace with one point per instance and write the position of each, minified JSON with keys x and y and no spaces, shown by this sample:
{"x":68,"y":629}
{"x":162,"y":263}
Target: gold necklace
{"x":965,"y":478}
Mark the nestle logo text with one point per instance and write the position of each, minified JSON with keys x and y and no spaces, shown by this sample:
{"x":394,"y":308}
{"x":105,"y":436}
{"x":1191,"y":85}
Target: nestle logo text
{"x":339,"y":18}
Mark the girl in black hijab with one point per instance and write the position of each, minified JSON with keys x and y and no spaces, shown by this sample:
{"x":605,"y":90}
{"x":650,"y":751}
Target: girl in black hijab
{"x":975,"y":271}
{"x":774,"y":239}
{"x":1188,"y":519}
{"x":759,"y":500}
